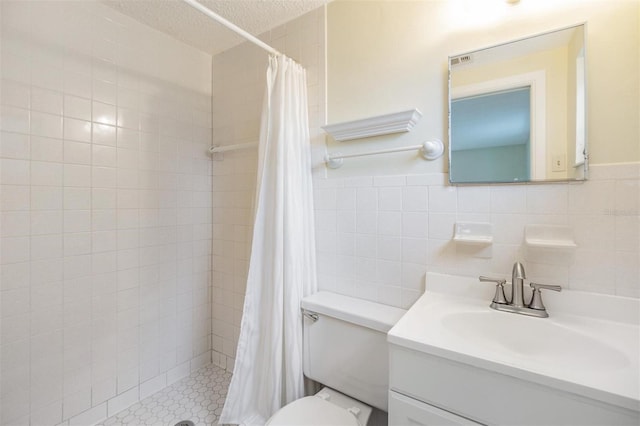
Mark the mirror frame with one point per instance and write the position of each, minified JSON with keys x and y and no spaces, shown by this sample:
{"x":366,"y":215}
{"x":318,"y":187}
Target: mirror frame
{"x":586,"y":109}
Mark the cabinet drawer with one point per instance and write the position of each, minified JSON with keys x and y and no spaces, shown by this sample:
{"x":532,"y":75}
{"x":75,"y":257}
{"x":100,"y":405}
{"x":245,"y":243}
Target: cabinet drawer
{"x":408,"y":411}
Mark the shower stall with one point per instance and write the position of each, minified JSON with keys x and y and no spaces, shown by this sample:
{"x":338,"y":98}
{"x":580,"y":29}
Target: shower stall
{"x":125,"y":243}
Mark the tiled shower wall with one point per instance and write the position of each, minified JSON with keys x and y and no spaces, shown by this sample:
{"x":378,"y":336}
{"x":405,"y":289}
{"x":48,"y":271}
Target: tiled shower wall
{"x":106,"y":211}
{"x":239,"y":76}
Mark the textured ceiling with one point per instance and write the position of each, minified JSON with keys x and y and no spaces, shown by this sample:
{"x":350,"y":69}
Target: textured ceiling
{"x":186,"y":24}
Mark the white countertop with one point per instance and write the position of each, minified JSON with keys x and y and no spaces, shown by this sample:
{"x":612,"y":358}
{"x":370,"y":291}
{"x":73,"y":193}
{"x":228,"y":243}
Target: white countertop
{"x":596,"y":356}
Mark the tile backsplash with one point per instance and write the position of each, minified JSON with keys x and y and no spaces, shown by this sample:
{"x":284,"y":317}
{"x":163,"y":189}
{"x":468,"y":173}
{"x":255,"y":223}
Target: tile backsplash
{"x":105,"y":211}
{"x":378,"y":235}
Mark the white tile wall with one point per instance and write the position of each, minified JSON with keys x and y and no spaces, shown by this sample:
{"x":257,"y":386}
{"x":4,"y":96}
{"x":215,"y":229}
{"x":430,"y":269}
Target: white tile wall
{"x":238,"y":89}
{"x":105,"y":211}
{"x":387,"y":261}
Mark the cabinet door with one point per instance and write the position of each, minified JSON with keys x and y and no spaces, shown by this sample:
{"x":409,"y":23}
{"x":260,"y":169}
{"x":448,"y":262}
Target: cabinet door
{"x":405,"y":411}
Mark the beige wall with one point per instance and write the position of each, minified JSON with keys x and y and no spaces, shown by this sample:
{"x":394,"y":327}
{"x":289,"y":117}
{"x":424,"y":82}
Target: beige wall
{"x":386,"y":56}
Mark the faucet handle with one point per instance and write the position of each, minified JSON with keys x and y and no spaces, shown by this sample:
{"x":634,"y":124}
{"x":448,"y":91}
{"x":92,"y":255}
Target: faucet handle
{"x":536,"y":297}
{"x":499,"y":297}
{"x":499,"y":281}
{"x":536,"y":286}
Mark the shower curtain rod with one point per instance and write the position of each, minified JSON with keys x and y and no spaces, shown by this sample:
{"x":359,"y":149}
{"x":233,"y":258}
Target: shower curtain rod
{"x":233,"y":27}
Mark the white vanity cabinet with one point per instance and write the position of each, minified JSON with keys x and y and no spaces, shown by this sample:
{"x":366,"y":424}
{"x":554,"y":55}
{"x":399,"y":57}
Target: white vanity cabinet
{"x":433,"y":391}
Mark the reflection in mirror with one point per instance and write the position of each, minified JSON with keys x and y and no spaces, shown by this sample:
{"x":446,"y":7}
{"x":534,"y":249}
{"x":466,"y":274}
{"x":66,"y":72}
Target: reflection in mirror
{"x":517,"y":111}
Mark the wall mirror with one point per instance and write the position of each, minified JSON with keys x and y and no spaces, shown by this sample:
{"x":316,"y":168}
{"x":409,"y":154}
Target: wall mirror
{"x":517,"y":111}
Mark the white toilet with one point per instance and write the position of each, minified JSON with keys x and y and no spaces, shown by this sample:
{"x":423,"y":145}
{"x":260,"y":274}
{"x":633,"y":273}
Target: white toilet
{"x":345,"y":349}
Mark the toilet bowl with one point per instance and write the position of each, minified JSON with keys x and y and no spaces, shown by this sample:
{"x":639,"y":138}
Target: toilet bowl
{"x":344,"y":349}
{"x":327,"y":407}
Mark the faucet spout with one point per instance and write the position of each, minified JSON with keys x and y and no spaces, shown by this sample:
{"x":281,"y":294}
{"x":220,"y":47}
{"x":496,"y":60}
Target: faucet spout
{"x":516,"y":305}
{"x":517,"y":282}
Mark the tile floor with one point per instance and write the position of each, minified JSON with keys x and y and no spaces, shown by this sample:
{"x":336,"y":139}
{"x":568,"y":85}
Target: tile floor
{"x":198,"y":397}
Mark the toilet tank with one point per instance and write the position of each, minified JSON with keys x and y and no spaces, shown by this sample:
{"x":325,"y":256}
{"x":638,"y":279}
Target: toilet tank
{"x":345,"y":348}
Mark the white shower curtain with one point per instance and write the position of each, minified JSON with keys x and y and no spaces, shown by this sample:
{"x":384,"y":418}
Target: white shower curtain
{"x":282,"y":270}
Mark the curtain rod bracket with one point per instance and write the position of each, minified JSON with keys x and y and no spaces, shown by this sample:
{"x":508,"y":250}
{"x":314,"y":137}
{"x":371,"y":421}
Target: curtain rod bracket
{"x":334,"y":163}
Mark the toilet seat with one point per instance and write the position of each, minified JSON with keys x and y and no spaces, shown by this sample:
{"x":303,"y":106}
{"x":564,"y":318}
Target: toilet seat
{"x":313,"y":411}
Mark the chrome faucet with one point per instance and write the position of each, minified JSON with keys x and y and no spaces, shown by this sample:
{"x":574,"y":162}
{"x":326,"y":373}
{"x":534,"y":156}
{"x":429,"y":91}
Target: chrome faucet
{"x":516,"y":305}
{"x":517,"y":282}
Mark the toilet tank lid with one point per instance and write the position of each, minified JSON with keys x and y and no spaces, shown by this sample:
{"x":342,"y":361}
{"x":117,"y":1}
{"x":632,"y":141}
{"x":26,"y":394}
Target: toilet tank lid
{"x":357,"y":311}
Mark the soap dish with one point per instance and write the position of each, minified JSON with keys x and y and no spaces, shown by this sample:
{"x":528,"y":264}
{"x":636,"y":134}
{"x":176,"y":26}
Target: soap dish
{"x":549,"y":236}
{"x":473,"y":233}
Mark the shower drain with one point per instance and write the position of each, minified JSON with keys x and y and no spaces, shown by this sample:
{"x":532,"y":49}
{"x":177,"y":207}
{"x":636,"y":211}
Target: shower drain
{"x":185,"y":423}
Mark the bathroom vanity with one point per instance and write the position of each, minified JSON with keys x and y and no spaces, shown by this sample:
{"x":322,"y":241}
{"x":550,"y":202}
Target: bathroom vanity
{"x":455,"y":361}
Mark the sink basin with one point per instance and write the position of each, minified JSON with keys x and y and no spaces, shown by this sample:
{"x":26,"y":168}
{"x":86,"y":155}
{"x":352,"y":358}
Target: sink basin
{"x":540,"y":341}
{"x":589,"y":345}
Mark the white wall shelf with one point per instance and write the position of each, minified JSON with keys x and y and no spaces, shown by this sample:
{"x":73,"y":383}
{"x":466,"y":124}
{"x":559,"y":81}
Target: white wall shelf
{"x":397,"y":122}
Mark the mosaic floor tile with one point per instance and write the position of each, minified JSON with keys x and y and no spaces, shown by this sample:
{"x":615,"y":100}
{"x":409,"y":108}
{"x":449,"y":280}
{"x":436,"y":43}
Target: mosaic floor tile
{"x":198,"y":398}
